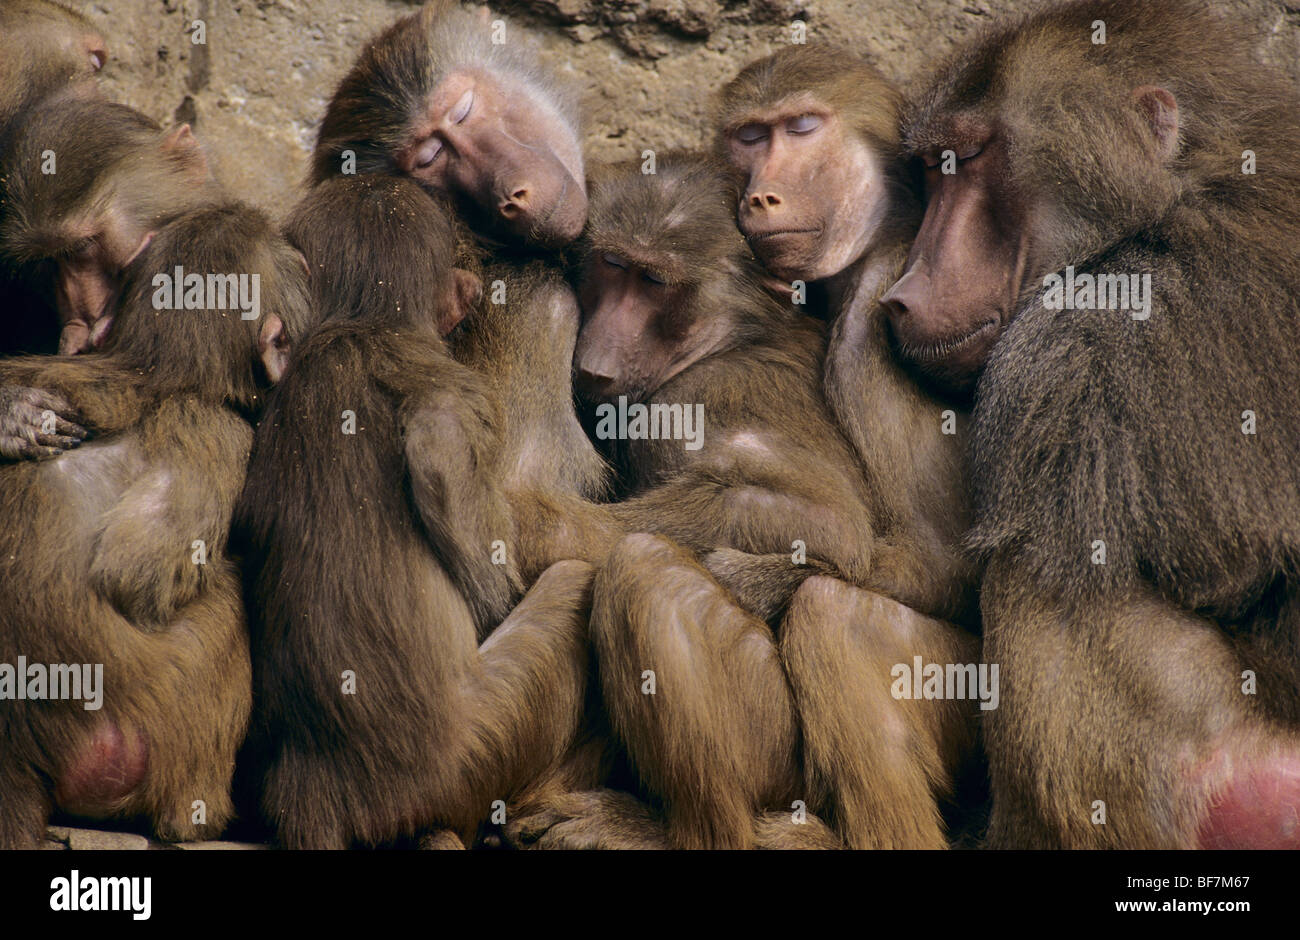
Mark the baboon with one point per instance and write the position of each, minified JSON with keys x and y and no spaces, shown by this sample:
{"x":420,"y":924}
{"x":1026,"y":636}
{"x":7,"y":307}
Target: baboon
{"x":401,"y":689}
{"x":1118,"y":279}
{"x":675,"y":320}
{"x":71,"y":235}
{"x":484,"y":124}
{"x":487,"y":126}
{"x":436,"y":99}
{"x":828,"y":200}
{"x":45,"y":49}
{"x":114,"y":555}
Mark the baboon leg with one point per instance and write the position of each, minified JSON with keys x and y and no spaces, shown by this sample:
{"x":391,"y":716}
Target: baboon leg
{"x":1128,"y":725}
{"x":27,"y":806}
{"x":779,"y":831}
{"x":876,"y":763}
{"x":695,"y":690}
{"x":527,"y":703}
{"x":195,"y":712}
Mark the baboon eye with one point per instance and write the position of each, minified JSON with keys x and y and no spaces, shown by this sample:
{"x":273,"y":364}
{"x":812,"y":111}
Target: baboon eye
{"x":614,"y":261}
{"x":804,"y":124}
{"x":83,"y":249}
{"x":428,"y":152}
{"x":461,"y":111}
{"x":751,"y":133}
{"x":650,"y":278}
{"x":969,"y":153}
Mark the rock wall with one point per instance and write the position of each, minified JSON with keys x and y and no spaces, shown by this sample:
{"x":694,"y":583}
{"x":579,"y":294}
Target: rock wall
{"x":255,"y":91}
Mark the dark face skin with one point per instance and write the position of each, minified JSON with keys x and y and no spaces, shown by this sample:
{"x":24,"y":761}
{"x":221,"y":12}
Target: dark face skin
{"x":504,"y":149}
{"x":984,"y":241}
{"x":89,"y":276}
{"x":967,"y":265}
{"x":813,"y":189}
{"x":636,"y":333}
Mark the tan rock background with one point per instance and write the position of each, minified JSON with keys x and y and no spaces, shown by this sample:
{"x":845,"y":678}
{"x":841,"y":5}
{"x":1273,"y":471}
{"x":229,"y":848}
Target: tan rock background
{"x":256,"y":91}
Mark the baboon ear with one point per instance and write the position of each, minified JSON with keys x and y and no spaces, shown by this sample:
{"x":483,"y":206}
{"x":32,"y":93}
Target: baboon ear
{"x":273,"y":347}
{"x":1160,"y":109}
{"x":466,"y":292}
{"x":185,"y":146}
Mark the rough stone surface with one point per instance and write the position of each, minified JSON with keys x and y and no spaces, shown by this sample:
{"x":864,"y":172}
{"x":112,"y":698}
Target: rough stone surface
{"x":256,"y":91}
{"x":88,"y":840}
{"x":63,"y":838}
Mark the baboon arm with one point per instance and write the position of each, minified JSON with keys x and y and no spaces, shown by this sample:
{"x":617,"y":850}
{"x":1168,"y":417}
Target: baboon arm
{"x":762,"y":584}
{"x":706,"y":515}
{"x":552,"y":527}
{"x":466,"y":516}
{"x":154,"y":548}
{"x":103,"y":398}
{"x":928,"y":577}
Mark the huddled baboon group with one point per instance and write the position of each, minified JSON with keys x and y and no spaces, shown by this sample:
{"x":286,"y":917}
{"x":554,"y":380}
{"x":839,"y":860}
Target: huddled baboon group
{"x":912,"y":468}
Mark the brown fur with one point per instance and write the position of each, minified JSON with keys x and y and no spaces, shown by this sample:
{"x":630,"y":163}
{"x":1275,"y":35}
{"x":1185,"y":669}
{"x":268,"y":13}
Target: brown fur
{"x":915,"y":472}
{"x":727,"y":734}
{"x":98,"y":566}
{"x":1122,"y":681}
{"x":374,"y":553}
{"x":839,"y":641}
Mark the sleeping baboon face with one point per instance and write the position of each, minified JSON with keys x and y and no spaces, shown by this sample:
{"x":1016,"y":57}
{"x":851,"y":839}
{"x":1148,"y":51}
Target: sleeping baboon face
{"x":967,"y":264}
{"x":661,"y":252}
{"x":813,"y":188}
{"x":79,"y":242}
{"x":504,"y":148}
{"x":635,"y":329}
{"x":1010,"y":200}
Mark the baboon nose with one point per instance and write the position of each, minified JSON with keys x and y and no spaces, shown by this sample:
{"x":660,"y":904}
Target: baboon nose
{"x":766,"y":200}
{"x":593,"y":380}
{"x":906,"y":296}
{"x":517,"y":203}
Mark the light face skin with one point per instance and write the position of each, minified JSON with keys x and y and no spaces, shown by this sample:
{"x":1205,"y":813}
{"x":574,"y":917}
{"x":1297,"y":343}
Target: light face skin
{"x":505,"y":149}
{"x":814,"y":191}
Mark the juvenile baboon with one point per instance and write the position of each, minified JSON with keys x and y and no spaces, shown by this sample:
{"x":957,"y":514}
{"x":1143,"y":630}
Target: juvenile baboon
{"x":115,"y":555}
{"x":675,"y":319}
{"x":1114,"y":263}
{"x":45,"y":49}
{"x":400,"y":688}
{"x":71,"y":235}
